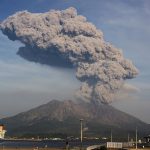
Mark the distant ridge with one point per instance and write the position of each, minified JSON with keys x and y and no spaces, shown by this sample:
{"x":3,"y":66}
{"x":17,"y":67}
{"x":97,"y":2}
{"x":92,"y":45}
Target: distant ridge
{"x":63,"y":117}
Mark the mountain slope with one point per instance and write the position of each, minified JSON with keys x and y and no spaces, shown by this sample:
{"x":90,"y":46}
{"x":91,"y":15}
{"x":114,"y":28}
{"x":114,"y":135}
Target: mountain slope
{"x":63,"y":117}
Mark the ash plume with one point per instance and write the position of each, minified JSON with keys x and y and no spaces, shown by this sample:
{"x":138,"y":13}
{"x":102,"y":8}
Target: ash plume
{"x":66,"y":39}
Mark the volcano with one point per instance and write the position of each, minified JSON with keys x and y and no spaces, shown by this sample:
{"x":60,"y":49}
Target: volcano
{"x":63,"y":117}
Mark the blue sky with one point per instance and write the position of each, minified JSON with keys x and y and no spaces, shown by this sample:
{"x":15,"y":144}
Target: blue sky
{"x":125,"y":23}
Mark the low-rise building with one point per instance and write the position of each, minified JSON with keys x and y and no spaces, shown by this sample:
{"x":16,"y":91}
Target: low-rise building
{"x":2,"y":131}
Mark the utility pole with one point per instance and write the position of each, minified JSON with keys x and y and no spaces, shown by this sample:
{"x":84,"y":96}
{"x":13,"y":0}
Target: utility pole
{"x":111,"y":135}
{"x":128,"y":137}
{"x":81,"y":132}
{"x":136,"y":138}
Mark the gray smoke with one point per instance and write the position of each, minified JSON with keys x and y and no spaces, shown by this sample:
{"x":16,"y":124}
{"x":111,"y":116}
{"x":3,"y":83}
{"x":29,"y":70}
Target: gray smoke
{"x":63,"y":38}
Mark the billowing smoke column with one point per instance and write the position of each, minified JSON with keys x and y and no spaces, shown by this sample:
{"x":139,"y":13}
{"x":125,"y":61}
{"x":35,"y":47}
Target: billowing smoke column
{"x":63,"y":38}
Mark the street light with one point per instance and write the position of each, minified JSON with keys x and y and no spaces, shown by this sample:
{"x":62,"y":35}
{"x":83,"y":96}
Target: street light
{"x":81,"y":132}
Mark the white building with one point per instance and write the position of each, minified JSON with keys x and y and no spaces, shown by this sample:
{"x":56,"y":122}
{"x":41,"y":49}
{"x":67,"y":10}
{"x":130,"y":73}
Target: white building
{"x":2,"y":132}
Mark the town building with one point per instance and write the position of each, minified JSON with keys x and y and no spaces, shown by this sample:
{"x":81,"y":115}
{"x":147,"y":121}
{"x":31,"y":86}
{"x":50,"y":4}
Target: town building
{"x":2,"y":131}
{"x":147,"y":139}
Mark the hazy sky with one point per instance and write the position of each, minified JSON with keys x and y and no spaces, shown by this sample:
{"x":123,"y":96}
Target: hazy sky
{"x":125,"y":23}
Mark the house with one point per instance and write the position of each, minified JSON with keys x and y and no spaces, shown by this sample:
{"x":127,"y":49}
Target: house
{"x":2,"y":131}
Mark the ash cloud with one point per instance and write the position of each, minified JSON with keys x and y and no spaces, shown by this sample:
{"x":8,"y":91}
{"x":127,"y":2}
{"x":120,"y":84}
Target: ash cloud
{"x":66,"y":39}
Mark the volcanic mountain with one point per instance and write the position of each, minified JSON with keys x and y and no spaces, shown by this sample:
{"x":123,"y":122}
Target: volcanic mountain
{"x":63,"y":117}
